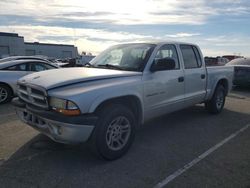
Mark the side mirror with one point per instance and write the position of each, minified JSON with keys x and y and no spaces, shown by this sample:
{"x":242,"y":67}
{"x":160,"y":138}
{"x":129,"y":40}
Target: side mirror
{"x":163,"y":64}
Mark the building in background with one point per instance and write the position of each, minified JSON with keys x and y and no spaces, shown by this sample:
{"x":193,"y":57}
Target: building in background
{"x":11,"y":44}
{"x":59,"y":51}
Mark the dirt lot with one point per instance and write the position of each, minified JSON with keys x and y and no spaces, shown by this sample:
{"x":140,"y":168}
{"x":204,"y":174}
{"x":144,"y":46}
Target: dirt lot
{"x":189,"y":148}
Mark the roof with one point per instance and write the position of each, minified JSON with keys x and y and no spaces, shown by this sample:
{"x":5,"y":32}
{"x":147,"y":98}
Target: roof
{"x":158,"y":42}
{"x":47,"y":44}
{"x":9,"y":34}
{"x":240,"y":61}
{"x":12,"y":58}
{"x":173,"y":42}
{"x":17,"y":62}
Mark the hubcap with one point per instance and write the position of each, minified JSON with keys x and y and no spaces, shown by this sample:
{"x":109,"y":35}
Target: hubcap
{"x":3,"y":94}
{"x":220,"y":100}
{"x":118,"y":133}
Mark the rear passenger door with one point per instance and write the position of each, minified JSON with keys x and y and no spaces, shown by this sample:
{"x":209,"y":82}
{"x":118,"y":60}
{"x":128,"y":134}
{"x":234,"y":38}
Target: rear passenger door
{"x":195,"y":75}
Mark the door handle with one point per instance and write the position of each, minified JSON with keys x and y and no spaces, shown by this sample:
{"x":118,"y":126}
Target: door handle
{"x":203,"y":76}
{"x":181,"y":79}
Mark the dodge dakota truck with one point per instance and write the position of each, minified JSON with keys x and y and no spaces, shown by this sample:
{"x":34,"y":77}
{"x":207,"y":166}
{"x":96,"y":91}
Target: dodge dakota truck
{"x":106,"y":101}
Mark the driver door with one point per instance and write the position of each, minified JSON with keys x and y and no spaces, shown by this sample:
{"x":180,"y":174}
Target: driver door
{"x":164,"y":90}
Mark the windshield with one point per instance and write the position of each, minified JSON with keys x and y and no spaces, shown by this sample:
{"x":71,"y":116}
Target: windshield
{"x":130,"y":57}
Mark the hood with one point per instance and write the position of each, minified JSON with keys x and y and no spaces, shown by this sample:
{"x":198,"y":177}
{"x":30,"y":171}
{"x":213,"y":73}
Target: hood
{"x":66,"y":76}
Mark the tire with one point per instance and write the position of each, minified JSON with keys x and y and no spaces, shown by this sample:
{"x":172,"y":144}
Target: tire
{"x":216,"y":104}
{"x":5,"y":93}
{"x":114,"y":132}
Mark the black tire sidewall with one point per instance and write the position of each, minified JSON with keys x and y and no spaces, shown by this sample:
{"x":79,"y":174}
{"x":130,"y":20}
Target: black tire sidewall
{"x":220,"y":89}
{"x":106,"y":115}
{"x":9,"y":93}
{"x":212,"y":105}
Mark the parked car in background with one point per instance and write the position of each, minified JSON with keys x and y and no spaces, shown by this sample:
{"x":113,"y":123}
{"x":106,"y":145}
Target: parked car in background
{"x":83,"y":60}
{"x":232,"y":57}
{"x":11,"y":71}
{"x":119,"y":90}
{"x":216,"y":61}
{"x":12,"y":58}
{"x":241,"y":71}
{"x":60,"y":63}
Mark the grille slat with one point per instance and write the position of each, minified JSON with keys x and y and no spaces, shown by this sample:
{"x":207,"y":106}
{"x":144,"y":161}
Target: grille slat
{"x":37,"y":96}
{"x":23,"y":91}
{"x":33,"y":95}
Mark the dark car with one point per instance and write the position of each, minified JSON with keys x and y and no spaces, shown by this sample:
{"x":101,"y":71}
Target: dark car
{"x":241,"y":71}
{"x":215,"y":61}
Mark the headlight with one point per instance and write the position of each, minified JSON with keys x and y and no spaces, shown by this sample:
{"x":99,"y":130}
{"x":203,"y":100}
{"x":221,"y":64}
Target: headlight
{"x":63,"y":106}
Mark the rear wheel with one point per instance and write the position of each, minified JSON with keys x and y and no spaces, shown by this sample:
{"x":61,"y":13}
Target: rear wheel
{"x":114,"y":132}
{"x":216,"y":104}
{"x":5,"y":93}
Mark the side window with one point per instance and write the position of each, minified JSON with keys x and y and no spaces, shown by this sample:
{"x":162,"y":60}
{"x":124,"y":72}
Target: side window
{"x":38,"y":67}
{"x":198,"y":56}
{"x":48,"y":66}
{"x":21,"y":67}
{"x":169,"y":51}
{"x":189,"y":58}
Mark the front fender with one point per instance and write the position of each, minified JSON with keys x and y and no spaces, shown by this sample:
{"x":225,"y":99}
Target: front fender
{"x":108,"y":96}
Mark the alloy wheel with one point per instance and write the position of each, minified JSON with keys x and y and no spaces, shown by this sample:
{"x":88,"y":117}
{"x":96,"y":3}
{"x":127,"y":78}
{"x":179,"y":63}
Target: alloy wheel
{"x":118,"y":133}
{"x":3,"y":94}
{"x":219,"y":99}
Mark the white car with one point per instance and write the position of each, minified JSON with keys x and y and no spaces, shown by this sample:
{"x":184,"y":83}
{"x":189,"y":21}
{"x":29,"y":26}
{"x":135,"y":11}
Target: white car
{"x":13,"y":58}
{"x":11,"y":71}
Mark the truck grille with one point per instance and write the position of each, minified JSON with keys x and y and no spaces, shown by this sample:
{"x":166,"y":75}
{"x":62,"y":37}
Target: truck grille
{"x":33,"y":95}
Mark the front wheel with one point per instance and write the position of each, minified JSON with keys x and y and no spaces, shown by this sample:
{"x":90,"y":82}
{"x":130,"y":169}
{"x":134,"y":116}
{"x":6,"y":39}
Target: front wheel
{"x":114,"y":132}
{"x":5,"y":93}
{"x":216,"y":104}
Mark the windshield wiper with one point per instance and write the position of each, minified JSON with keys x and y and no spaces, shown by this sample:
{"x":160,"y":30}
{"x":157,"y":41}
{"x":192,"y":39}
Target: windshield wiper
{"x":110,"y":66}
{"x":88,"y":65}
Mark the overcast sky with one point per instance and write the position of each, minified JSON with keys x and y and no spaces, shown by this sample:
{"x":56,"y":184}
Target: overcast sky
{"x":218,"y":26}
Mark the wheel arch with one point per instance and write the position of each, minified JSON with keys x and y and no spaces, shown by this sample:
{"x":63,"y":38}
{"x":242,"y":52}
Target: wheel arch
{"x":224,"y":83}
{"x":131,"y":101}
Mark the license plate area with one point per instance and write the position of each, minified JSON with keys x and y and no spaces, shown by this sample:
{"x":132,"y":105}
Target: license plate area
{"x":34,"y":120}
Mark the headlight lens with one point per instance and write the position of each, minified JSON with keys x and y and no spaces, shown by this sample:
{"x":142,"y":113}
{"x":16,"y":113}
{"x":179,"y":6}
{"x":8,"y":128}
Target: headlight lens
{"x":71,"y":106}
{"x":58,"y":103}
{"x":63,"y":106}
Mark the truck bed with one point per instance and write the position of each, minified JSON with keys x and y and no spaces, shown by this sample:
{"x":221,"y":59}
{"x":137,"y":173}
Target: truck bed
{"x":215,"y":73}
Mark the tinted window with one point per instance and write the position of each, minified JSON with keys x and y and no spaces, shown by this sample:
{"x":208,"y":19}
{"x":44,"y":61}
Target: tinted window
{"x":170,"y":52}
{"x":40,"y":67}
{"x":189,"y":57}
{"x":49,"y":66}
{"x":21,"y":67}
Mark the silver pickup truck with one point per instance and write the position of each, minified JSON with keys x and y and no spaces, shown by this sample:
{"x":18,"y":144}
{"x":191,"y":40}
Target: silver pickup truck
{"x":104,"y":102}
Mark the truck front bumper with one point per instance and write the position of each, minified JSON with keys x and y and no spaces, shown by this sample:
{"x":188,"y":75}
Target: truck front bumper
{"x":73,"y":130}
